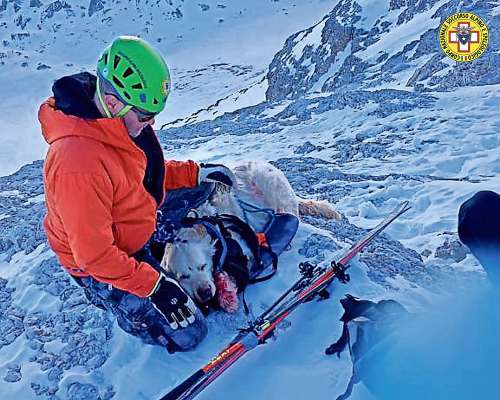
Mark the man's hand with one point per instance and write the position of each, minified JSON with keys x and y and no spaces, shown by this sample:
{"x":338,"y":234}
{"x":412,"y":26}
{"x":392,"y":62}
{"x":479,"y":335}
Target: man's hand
{"x":173,"y":302}
{"x":216,"y":173}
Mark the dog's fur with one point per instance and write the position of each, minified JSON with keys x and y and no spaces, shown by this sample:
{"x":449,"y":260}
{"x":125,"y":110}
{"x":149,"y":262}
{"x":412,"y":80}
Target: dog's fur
{"x":190,"y":258}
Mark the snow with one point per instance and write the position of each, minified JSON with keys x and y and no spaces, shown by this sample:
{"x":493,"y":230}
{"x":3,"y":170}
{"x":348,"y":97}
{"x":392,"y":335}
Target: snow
{"x":405,"y":33}
{"x":10,"y":193}
{"x":37,"y":199}
{"x":197,"y":41}
{"x":373,"y":10}
{"x":251,"y":95}
{"x":312,"y":38}
{"x":272,"y":111}
{"x":436,"y":155}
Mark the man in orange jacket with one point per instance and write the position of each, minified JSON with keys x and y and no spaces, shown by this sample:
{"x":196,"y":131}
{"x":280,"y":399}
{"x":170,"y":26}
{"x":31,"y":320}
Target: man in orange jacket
{"x":105,"y":178}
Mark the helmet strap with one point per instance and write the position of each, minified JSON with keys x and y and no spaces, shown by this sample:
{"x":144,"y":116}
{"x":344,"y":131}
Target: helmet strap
{"x":101,"y":100}
{"x":126,"y":108}
{"x":123,"y":111}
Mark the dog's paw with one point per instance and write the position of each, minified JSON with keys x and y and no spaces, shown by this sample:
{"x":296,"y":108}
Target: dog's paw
{"x":227,"y":292}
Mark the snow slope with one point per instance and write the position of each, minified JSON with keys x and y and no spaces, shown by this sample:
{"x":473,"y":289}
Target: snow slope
{"x":358,"y":133}
{"x":214,"y":49}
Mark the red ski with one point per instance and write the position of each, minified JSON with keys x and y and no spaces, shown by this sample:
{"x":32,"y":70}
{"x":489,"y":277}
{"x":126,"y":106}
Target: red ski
{"x":313,"y":282}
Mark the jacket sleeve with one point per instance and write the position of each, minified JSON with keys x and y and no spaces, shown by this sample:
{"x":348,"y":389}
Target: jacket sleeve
{"x":180,"y":174}
{"x":84,"y":204}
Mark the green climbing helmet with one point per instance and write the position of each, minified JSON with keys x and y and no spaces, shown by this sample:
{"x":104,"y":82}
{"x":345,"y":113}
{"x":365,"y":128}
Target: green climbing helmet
{"x":137,"y":72}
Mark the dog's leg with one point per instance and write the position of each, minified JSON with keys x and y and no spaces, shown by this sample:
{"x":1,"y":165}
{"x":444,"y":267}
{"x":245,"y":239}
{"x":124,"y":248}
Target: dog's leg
{"x":318,"y":208}
{"x":264,"y":185}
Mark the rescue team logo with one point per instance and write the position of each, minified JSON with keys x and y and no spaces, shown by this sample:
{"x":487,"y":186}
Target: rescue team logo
{"x":165,"y":87}
{"x":463,"y":37}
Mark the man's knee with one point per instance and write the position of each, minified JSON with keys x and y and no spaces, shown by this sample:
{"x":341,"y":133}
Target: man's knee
{"x":138,"y":317}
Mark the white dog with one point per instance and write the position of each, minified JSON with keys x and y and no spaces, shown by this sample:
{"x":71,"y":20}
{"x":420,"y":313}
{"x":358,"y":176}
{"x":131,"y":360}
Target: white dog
{"x":189,"y":259}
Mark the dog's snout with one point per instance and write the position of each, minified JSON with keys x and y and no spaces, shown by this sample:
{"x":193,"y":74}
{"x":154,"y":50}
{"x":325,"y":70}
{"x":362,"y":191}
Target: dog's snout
{"x":204,"y":293}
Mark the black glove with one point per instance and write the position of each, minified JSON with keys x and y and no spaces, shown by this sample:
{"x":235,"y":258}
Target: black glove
{"x":173,"y":302}
{"x":216,"y":173}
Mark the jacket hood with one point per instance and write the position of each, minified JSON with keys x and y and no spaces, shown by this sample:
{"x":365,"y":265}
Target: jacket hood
{"x":72,"y":112}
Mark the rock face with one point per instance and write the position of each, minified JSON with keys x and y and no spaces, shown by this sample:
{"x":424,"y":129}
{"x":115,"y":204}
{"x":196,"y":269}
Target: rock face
{"x":22,"y":205}
{"x":29,"y":28}
{"x":95,"y":6}
{"x":348,"y":49}
{"x":40,"y":10}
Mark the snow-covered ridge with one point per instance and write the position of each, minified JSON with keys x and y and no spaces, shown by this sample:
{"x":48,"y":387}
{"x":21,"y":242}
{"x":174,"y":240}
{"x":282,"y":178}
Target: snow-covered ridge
{"x":36,"y":25}
{"x":372,"y":44}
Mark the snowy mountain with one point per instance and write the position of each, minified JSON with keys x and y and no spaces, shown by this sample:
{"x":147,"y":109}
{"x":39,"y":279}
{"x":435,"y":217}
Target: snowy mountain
{"x":213,"y":48}
{"x":357,"y":106}
{"x":355,"y":47}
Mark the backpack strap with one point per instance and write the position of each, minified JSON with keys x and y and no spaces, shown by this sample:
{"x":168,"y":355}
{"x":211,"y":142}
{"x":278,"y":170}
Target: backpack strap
{"x":257,"y":243}
{"x":213,"y":229}
{"x":233,"y":223}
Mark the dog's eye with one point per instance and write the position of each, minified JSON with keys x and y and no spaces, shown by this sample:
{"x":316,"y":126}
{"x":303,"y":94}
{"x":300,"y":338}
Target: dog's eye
{"x":184,"y":276}
{"x":203,"y":267}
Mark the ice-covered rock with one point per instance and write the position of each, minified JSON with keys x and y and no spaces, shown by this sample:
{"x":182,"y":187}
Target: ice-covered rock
{"x":22,"y":224}
{"x":13,"y":374}
{"x":451,"y":249}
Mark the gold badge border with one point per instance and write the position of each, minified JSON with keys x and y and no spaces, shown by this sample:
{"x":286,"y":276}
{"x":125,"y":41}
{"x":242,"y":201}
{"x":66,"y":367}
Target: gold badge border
{"x":483,"y":44}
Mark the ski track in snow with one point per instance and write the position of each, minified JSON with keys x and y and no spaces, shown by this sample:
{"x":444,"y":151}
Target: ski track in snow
{"x":364,"y":151}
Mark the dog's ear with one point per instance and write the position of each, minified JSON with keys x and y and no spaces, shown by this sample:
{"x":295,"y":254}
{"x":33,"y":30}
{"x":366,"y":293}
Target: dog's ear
{"x":197,"y":232}
{"x":201,"y":231}
{"x":166,"y":255}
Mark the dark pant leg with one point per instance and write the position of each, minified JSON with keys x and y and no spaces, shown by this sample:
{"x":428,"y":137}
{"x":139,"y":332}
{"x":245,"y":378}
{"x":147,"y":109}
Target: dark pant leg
{"x":479,"y":229}
{"x":138,"y":317}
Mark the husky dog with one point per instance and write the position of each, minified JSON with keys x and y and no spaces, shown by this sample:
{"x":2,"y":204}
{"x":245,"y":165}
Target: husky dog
{"x":190,"y":257}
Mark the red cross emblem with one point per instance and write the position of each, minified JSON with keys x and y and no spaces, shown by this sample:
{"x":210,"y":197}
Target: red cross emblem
{"x":463,"y":37}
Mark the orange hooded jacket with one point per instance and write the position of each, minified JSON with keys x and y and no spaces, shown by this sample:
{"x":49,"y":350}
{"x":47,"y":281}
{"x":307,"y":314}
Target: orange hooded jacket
{"x":98,"y":210}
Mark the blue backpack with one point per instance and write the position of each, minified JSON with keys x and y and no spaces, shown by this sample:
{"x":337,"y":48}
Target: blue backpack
{"x":267,"y":236}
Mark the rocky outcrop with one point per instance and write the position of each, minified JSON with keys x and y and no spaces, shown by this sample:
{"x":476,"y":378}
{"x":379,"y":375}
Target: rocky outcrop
{"x":95,"y":6}
{"x":348,"y":50}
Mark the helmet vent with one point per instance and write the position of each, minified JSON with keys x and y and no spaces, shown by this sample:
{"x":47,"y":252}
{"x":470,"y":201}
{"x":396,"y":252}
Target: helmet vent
{"x":118,"y":82}
{"x":128,"y":72}
{"x":106,"y":58}
{"x":137,"y":86}
{"x":116,"y":61}
{"x":127,"y":95}
{"x":155,"y":101}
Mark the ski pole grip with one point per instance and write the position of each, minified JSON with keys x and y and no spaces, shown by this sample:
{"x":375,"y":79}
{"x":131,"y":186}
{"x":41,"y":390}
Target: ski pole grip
{"x":181,"y":388}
